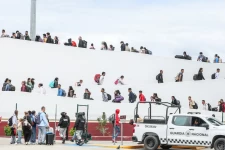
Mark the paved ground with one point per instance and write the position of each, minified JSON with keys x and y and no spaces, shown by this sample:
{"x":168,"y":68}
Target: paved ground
{"x":4,"y":145}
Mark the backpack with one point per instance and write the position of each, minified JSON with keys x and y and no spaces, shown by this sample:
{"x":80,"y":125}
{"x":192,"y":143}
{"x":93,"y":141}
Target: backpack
{"x":135,"y":97}
{"x":51,"y":85}
{"x":74,"y":44}
{"x":38,"y":119}
{"x":213,"y":76}
{"x":157,"y":77}
{"x":109,"y":96}
{"x":178,"y":102}
{"x":195,"y":77}
{"x":195,"y":106}
{"x":116,"y":82}
{"x":63,"y":93}
{"x":111,"y":118}
{"x":84,"y":44}
{"x":204,"y":59}
{"x":177,"y":77}
{"x":97,"y":77}
{"x":10,"y":123}
{"x":209,"y":107}
{"x":13,"y":88}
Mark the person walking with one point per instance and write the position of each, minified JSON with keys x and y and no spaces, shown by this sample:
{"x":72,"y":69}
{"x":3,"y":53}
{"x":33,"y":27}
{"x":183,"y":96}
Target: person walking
{"x":42,"y":125}
{"x":63,"y":125}
{"x":33,"y":134}
{"x":159,"y":77}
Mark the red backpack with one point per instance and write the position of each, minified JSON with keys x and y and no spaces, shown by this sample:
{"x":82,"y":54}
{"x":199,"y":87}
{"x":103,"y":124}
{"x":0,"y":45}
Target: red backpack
{"x":97,"y":77}
{"x":223,"y":107}
{"x":74,"y":44}
{"x":116,"y":82}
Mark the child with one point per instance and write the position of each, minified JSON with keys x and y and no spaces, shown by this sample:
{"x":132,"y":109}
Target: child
{"x":26,"y":131}
{"x":13,"y":134}
{"x":19,"y":131}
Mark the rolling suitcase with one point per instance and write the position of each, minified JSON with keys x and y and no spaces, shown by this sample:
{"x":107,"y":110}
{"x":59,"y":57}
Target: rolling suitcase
{"x":50,"y":138}
{"x":179,"y":56}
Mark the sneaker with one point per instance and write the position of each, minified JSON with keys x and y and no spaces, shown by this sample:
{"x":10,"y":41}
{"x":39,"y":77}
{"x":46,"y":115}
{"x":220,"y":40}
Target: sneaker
{"x":15,"y":143}
{"x":63,"y":141}
{"x":26,"y":143}
{"x":72,"y":140}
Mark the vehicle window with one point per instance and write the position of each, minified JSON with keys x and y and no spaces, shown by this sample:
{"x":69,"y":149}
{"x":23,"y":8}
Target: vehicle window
{"x":181,"y":120}
{"x":197,"y":122}
{"x":214,"y":122}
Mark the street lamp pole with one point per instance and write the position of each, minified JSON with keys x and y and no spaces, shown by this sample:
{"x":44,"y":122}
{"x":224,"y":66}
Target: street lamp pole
{"x":33,"y":20}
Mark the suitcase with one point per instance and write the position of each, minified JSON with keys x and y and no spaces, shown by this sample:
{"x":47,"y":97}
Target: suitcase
{"x":179,"y":56}
{"x":50,"y":138}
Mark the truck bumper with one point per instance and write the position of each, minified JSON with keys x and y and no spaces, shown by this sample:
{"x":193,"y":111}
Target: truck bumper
{"x":134,"y":139}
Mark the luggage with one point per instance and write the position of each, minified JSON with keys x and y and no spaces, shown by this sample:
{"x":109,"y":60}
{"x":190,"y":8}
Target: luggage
{"x":179,"y":56}
{"x":213,"y":76}
{"x":188,"y":57}
{"x":215,"y":109}
{"x":50,"y":139}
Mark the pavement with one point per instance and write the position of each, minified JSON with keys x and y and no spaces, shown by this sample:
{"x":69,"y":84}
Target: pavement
{"x":98,"y":145}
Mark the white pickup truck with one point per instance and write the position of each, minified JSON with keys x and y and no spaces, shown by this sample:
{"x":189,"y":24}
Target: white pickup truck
{"x":178,"y":129}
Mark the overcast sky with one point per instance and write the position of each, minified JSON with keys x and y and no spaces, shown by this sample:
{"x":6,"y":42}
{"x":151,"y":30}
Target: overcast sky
{"x":167,"y":27}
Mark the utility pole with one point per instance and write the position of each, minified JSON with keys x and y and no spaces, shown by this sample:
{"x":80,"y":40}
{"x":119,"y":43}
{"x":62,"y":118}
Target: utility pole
{"x":33,"y":20}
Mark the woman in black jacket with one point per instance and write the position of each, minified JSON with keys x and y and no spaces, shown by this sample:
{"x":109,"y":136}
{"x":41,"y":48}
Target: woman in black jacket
{"x":71,"y":92}
{"x":200,"y":75}
{"x":174,"y":100}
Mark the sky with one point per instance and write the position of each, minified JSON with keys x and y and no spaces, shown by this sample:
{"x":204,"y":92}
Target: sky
{"x":166,"y":27}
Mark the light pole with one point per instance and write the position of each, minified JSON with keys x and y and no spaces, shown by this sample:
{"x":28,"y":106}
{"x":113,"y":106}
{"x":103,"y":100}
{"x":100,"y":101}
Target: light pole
{"x":33,"y":20}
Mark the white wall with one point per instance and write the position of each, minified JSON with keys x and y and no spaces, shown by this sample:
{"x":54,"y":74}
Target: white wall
{"x":44,"y":62}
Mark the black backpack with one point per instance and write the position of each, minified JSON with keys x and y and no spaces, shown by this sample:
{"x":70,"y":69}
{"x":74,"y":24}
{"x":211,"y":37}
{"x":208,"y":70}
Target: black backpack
{"x":13,"y":88}
{"x":178,"y":102}
{"x":195,"y":106}
{"x":63,"y":93}
{"x":84,"y":44}
{"x":157,"y":77}
{"x":213,"y":76}
{"x":195,"y":77}
{"x":10,"y":123}
{"x":209,"y":107}
{"x":109,"y":97}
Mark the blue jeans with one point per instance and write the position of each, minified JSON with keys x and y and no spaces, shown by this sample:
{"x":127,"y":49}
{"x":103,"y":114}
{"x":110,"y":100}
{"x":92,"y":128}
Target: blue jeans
{"x":19,"y":137}
{"x":33,"y":135}
{"x":117,"y":132}
{"x":41,"y":134}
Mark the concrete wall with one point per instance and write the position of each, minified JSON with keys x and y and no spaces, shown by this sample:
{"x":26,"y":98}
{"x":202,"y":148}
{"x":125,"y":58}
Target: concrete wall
{"x":44,"y":62}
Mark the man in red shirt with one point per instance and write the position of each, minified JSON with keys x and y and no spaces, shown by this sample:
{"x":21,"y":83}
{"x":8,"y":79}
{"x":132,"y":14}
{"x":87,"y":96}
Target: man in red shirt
{"x":141,"y":97}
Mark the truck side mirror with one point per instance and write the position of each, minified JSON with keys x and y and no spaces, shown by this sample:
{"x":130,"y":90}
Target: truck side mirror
{"x":205,"y":125}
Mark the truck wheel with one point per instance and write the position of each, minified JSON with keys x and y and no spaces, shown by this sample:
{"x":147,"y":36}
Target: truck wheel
{"x":219,"y":144}
{"x":165,"y":146}
{"x":151,"y":143}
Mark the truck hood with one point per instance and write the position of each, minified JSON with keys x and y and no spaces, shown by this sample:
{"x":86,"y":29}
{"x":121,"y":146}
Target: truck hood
{"x":219,"y":127}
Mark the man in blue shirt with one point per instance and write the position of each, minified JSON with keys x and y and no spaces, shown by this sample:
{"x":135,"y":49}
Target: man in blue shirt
{"x":60,"y":91}
{"x":42,"y":126}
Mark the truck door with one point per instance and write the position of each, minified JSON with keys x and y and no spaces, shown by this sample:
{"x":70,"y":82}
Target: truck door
{"x":176,"y":130}
{"x":199,"y":135}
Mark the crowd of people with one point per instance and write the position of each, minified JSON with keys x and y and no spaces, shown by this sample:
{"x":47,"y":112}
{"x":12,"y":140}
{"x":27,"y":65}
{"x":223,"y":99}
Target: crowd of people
{"x":31,"y":122}
{"x":47,"y":38}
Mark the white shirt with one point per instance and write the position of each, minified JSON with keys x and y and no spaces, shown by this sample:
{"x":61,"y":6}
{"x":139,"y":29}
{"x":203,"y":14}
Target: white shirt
{"x":205,"y":106}
{"x":217,"y":75}
{"x":101,"y":80}
{"x":41,"y":90}
{"x":120,"y":81}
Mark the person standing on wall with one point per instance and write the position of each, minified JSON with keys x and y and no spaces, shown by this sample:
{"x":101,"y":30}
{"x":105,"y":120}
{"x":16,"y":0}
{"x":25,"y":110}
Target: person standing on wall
{"x":159,"y":77}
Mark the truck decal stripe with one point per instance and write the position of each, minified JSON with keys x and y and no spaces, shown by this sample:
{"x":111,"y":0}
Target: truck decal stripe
{"x":179,"y":141}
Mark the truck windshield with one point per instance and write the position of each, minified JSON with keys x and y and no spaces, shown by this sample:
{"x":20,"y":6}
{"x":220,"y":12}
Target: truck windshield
{"x":214,"y":121}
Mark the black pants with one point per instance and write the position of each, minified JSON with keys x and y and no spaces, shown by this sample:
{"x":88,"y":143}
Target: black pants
{"x":67,"y":136}
{"x":27,"y":135}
